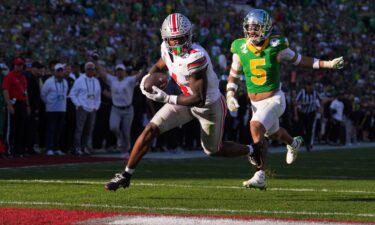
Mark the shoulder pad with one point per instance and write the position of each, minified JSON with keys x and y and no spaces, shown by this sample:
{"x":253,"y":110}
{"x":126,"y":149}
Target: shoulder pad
{"x":196,"y":61}
{"x":236,"y":44}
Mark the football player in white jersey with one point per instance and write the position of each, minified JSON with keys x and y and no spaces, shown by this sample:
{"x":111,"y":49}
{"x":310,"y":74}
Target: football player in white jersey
{"x":191,"y":68}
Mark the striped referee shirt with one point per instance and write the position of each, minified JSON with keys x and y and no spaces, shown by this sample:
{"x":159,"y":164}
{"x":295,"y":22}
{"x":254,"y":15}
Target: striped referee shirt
{"x":307,"y":102}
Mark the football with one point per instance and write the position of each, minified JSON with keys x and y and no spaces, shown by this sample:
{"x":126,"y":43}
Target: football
{"x":157,"y":79}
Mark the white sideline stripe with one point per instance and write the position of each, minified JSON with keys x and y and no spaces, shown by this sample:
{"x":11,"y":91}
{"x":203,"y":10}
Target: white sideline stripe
{"x":181,"y":220}
{"x":89,"y":205}
{"x":189,"y":186}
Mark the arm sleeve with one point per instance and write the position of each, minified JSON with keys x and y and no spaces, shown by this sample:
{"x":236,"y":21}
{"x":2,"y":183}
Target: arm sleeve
{"x":236,"y":63}
{"x":286,"y":54}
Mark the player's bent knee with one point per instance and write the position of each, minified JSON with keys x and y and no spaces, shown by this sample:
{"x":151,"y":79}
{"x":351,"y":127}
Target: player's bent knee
{"x":151,"y":129}
{"x":275,"y":136}
{"x":256,"y":126}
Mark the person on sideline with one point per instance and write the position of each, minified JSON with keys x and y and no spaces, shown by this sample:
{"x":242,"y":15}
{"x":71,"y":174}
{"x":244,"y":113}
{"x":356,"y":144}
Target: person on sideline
{"x":306,"y":109}
{"x":122,"y":113}
{"x":17,"y":109}
{"x":54,"y":93}
{"x":86,"y":96}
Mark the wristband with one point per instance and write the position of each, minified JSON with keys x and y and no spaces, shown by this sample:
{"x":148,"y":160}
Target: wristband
{"x":173,"y":99}
{"x":298,"y":60}
{"x":232,"y":86}
{"x":316,"y":64}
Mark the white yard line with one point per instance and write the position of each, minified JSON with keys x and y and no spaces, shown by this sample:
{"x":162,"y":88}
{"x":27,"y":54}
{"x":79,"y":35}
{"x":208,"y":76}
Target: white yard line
{"x":190,"y":186}
{"x":111,"y":206}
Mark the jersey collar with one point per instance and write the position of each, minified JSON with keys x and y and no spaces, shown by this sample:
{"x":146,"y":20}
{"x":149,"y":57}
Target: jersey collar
{"x":256,"y":50}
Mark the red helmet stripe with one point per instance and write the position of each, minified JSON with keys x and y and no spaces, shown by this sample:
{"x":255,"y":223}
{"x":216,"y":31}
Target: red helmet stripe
{"x":174,"y":22}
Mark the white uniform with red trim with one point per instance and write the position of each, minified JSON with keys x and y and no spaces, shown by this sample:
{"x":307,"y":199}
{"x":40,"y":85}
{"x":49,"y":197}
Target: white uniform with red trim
{"x":211,"y":116}
{"x":181,"y":67}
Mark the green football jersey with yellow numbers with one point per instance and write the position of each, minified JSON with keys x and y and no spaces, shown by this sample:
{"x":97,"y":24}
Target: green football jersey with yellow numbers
{"x":261,"y":68}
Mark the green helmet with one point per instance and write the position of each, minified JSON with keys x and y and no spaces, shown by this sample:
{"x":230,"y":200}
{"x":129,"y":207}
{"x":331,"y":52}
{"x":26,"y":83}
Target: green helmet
{"x":257,"y":26}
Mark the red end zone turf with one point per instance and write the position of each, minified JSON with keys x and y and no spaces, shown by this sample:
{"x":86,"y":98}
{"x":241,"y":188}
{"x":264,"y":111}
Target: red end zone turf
{"x":26,"y":216}
{"x":47,"y":216}
{"x":51,"y":160}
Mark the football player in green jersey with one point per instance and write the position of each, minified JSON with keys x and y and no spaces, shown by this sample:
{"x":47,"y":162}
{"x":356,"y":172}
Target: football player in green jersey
{"x":259,"y":56}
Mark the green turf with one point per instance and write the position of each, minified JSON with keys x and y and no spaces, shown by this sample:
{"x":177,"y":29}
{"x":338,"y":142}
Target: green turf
{"x":336,"y":184}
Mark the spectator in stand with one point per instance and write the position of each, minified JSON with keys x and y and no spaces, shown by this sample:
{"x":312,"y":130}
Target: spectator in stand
{"x":54,"y":93}
{"x":33,"y":90}
{"x":15,"y":95}
{"x":306,"y":108}
{"x":122,"y":113}
{"x":86,"y":96}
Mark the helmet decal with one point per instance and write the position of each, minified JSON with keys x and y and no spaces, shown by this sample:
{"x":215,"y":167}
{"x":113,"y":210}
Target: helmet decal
{"x":174,"y":22}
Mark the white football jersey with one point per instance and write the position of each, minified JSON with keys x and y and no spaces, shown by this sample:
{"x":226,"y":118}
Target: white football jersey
{"x":182,"y":66}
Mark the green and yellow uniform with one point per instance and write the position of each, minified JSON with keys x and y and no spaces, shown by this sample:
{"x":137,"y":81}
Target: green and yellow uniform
{"x":260,"y":66}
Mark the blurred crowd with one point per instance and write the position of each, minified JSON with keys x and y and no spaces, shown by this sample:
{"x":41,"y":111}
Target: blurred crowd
{"x":47,"y":33}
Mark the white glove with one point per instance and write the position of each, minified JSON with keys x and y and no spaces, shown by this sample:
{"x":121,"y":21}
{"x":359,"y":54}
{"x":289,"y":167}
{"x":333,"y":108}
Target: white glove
{"x":142,"y":84}
{"x":159,"y":95}
{"x":232,"y":102}
{"x":337,"y":63}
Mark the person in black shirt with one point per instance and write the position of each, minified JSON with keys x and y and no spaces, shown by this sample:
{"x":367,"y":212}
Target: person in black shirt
{"x":33,"y":91}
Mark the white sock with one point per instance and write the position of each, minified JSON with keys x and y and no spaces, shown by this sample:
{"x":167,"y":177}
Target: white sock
{"x":251,"y":150}
{"x":128,"y":170}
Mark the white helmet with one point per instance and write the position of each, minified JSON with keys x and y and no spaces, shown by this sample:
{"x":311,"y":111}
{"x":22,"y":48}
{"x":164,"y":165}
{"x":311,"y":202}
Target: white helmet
{"x":257,"y":26}
{"x":177,"y":25}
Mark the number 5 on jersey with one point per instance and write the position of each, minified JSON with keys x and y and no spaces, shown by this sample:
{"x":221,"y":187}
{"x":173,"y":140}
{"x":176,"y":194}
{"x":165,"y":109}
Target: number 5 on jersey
{"x":259,"y":76}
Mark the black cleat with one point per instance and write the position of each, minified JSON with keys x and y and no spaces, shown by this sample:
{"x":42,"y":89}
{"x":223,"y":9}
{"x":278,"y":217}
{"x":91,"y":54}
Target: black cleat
{"x":120,"y":180}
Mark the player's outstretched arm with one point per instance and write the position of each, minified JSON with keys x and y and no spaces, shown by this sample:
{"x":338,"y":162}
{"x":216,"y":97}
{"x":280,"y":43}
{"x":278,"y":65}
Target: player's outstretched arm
{"x":305,"y":61}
